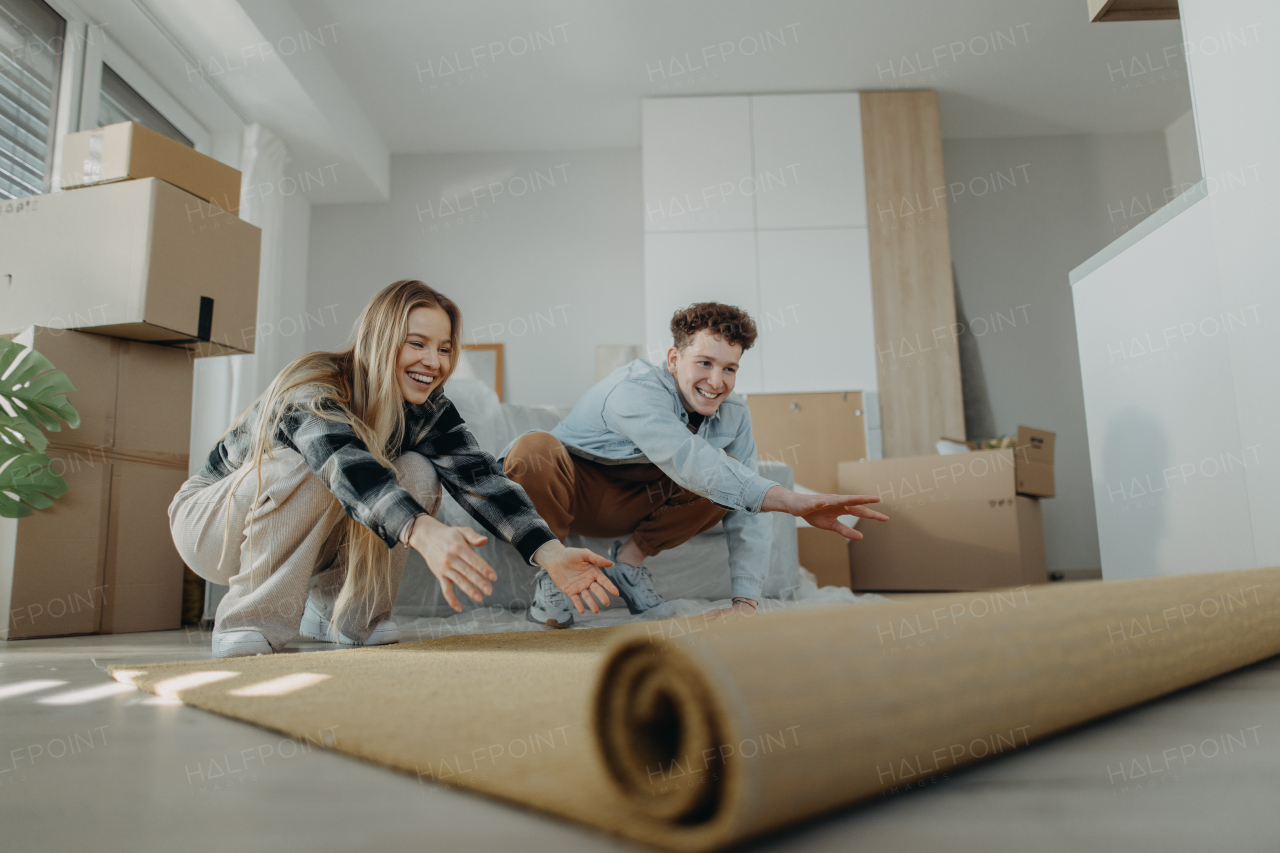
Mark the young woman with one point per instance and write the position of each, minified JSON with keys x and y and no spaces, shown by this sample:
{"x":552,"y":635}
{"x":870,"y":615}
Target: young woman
{"x":336,"y":471}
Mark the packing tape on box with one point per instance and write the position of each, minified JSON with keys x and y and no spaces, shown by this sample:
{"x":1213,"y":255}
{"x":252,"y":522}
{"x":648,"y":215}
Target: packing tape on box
{"x":103,"y":455}
{"x":93,"y":163}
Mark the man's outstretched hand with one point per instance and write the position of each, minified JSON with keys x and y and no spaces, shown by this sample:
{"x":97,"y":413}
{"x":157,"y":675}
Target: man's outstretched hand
{"x":577,"y":571}
{"x":823,"y":511}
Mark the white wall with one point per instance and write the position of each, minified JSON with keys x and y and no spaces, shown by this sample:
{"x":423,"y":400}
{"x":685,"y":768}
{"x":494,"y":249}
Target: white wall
{"x":1184,"y":151}
{"x":1015,"y":236}
{"x":1235,"y":92}
{"x":1155,"y":354}
{"x":1177,"y":343}
{"x":542,"y":251}
{"x":291,"y":325}
{"x":215,"y":399}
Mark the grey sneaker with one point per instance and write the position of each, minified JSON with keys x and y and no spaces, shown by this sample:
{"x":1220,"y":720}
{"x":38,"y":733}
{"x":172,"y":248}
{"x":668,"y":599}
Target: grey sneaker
{"x":635,"y":583}
{"x":550,"y":606}
{"x":315,"y":627}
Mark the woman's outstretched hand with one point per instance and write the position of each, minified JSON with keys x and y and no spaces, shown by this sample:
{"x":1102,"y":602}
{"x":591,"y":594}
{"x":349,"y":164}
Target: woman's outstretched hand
{"x":450,"y":556}
{"x":577,"y":571}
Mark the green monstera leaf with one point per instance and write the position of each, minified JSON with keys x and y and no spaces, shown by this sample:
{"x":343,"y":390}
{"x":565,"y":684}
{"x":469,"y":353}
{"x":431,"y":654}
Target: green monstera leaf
{"x":27,"y":482}
{"x":32,"y":391}
{"x":21,"y":432}
{"x":32,"y":398}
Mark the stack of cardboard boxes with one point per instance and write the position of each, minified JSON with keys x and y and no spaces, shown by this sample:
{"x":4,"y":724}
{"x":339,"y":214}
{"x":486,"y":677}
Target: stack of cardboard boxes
{"x":146,"y":260}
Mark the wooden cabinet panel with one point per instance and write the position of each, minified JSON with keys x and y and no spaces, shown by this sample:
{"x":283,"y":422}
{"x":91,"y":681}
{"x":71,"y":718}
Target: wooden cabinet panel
{"x":1107,"y":11}
{"x":813,"y":433}
{"x":917,"y":356}
{"x":826,"y":554}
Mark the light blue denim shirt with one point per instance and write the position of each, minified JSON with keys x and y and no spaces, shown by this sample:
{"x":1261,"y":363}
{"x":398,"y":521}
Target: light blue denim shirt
{"x":634,"y":415}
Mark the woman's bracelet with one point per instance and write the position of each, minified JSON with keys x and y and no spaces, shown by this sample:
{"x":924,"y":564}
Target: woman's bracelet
{"x":754,"y":605}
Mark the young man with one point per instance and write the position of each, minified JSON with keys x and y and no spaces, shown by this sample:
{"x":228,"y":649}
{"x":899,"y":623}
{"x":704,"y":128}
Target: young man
{"x":654,"y":455}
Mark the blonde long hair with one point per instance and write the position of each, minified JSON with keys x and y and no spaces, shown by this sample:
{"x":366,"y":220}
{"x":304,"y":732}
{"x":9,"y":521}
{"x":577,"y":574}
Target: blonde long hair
{"x":358,"y":386}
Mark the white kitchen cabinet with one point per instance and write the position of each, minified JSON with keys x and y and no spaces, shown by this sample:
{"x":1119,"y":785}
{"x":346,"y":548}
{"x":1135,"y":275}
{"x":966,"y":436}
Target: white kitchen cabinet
{"x":808,"y":161}
{"x":696,"y":155}
{"x":816,"y":322}
{"x":786,"y":182}
{"x":712,"y":167}
{"x":706,"y":266}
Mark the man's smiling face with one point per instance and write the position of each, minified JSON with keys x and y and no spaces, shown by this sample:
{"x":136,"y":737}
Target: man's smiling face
{"x":705,"y":371}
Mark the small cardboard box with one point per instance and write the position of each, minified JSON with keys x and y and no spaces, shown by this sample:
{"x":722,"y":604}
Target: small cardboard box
{"x":102,"y":559}
{"x":141,"y":260}
{"x":956,"y":523}
{"x":813,"y":433}
{"x":1035,"y":462}
{"x":824,"y":553}
{"x":1034,"y":457}
{"x":129,"y":151}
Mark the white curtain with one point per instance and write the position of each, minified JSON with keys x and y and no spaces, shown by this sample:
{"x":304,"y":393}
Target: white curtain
{"x":226,"y":385}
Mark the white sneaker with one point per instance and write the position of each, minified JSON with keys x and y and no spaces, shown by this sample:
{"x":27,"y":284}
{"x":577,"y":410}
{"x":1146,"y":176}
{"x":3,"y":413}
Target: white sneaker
{"x":234,"y":644}
{"x":315,"y":627}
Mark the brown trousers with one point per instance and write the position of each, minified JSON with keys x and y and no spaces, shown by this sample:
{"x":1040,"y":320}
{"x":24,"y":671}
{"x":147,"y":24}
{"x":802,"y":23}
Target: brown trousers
{"x":574,"y":495}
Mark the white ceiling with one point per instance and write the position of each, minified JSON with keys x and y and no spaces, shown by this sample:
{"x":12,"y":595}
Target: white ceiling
{"x":598,"y":58}
{"x":346,"y":82}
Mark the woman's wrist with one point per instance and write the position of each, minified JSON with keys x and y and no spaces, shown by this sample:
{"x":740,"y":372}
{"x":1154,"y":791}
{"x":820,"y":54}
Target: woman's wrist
{"x":422,"y":522}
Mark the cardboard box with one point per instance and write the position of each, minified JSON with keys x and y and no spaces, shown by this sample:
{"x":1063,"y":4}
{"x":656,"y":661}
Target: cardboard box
{"x":134,"y":399}
{"x":1034,"y":459}
{"x":51,"y":561}
{"x":1035,"y":462}
{"x":813,"y":433}
{"x":141,"y":260}
{"x":129,"y":151}
{"x":101,"y":559}
{"x":824,"y":553}
{"x":956,"y":523}
{"x":142,"y":572}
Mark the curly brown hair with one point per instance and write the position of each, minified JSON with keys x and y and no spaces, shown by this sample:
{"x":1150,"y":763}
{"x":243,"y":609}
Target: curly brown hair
{"x":726,"y":321}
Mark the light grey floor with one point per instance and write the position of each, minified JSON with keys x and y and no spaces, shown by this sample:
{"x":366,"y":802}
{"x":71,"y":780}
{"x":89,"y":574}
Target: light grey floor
{"x":118,"y":772}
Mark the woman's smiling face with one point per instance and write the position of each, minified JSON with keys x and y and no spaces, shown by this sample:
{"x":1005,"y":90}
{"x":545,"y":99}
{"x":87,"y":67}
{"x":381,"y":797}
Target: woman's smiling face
{"x":426,"y":354}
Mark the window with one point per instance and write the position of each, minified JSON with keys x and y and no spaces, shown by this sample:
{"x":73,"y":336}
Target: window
{"x":31,"y":39}
{"x":119,"y":102}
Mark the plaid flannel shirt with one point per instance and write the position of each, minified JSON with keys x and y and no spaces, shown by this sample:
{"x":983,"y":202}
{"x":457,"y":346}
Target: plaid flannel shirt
{"x":370,"y":493}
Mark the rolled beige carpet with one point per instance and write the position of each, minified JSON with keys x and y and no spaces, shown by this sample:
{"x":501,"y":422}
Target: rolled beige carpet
{"x":694,"y":734}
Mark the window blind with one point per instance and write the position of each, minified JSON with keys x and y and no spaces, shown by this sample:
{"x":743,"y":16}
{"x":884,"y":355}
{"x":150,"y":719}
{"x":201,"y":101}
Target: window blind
{"x":31,"y":44}
{"x":120,"y":102}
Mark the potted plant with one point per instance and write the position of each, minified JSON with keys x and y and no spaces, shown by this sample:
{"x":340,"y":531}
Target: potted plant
{"x":32,"y":400}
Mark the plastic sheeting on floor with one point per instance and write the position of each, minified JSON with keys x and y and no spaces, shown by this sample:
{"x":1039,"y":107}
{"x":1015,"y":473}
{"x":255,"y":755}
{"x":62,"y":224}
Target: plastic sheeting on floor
{"x":498,"y":619}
